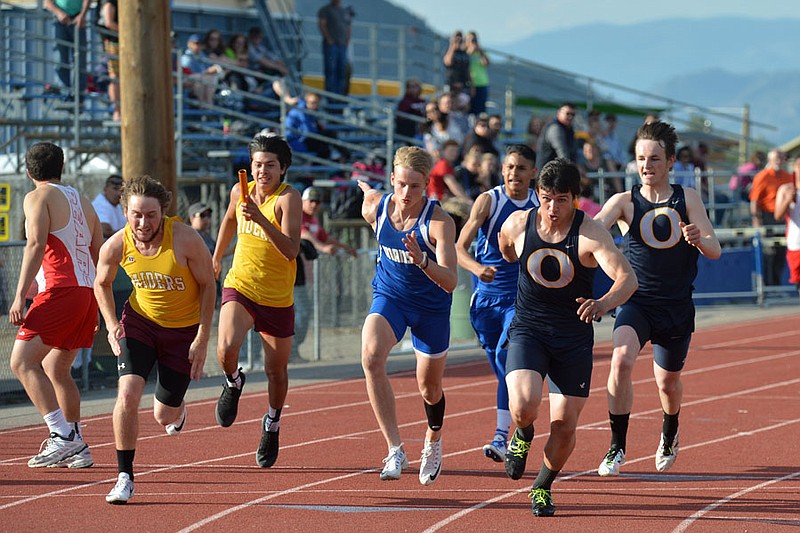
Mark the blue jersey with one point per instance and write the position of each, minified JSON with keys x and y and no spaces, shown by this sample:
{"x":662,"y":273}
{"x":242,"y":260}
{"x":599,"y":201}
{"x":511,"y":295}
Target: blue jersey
{"x":487,"y":250}
{"x":396,"y":275}
{"x":664,"y":263}
{"x":551,"y":278}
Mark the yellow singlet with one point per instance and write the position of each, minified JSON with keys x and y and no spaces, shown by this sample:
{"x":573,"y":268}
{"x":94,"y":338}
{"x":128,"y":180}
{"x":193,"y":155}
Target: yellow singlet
{"x":163,"y":291}
{"x":259,"y":271}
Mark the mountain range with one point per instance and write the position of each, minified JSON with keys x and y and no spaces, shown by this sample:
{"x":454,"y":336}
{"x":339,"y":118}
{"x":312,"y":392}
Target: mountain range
{"x":719,"y":63}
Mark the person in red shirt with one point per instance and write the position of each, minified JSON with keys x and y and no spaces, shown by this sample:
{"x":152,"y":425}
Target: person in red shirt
{"x":443,"y":183}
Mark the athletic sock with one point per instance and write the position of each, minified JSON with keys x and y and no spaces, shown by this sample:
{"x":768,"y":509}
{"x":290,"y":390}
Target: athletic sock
{"x":273,"y":419}
{"x":125,"y":461}
{"x":619,"y":430}
{"x":503,"y":422}
{"x":235,"y":379}
{"x":545,"y":478}
{"x":77,"y":427}
{"x":526,"y":434}
{"x":670,"y":427}
{"x":56,"y":423}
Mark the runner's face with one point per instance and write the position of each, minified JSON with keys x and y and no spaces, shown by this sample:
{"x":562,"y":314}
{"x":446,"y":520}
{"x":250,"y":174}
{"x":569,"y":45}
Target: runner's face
{"x":652,"y":162}
{"x":409,"y":186}
{"x":144,"y":215}
{"x":267,"y":171}
{"x":517,"y":175}
{"x":556,"y":206}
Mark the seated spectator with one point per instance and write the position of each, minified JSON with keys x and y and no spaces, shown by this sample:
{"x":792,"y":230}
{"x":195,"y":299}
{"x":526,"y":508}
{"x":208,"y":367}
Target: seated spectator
{"x":202,"y":76}
{"x":371,"y":168}
{"x":740,"y":182}
{"x":480,"y":136}
{"x":456,"y":116}
{"x":262,"y":60}
{"x":302,"y":120}
{"x":586,"y":201}
{"x":236,"y":54}
{"x":535,"y":126}
{"x":467,"y":172}
{"x":683,"y":169}
{"x":109,"y":29}
{"x":495,"y":127}
{"x":437,"y":129}
{"x":488,"y":174}
{"x":589,"y":159}
{"x":411,"y":104}
{"x":213,"y":45}
{"x":442,"y":183}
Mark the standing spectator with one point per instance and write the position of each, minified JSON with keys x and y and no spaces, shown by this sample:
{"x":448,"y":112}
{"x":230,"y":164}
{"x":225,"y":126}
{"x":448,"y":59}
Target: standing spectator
{"x":110,"y":33}
{"x":313,"y":233}
{"x":456,"y":63}
{"x":166,"y":324}
{"x":494,"y":278}
{"x":70,"y":18}
{"x":108,"y":207}
{"x":63,"y":241}
{"x":259,"y":287}
{"x":557,"y":139}
{"x":478,"y":74}
{"x":787,"y":205}
{"x":417,"y":257}
{"x":762,"y":209}
{"x":551,"y":334}
{"x":202,"y":76}
{"x":668,"y":229}
{"x":411,"y":104}
{"x":740,"y":183}
{"x":334,"y":26}
{"x":302,"y":121}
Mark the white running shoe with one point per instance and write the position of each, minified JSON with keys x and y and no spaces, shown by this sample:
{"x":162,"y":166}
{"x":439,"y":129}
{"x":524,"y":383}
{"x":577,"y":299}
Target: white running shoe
{"x":496,"y":450}
{"x":611,"y":463}
{"x":666,"y":454}
{"x":396,"y":461}
{"x":82,"y":459}
{"x":431,"y":463}
{"x":122,"y":491}
{"x":176,"y":427}
{"x":55,"y":448}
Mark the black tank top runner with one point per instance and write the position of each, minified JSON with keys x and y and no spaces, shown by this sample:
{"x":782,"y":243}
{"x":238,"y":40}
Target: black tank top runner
{"x":551,"y":278}
{"x":664,"y":263}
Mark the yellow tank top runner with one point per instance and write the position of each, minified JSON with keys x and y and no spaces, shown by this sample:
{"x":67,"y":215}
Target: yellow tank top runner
{"x":163,"y":290}
{"x":259,"y":271}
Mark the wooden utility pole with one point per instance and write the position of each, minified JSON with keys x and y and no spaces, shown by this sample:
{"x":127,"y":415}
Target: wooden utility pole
{"x":148,"y":125}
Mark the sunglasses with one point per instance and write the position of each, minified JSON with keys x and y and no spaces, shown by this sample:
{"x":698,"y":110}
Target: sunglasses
{"x":204,"y":214}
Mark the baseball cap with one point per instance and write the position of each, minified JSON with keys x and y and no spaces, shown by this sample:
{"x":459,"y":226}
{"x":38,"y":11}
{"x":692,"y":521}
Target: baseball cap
{"x":312,"y":194}
{"x":197,"y":208}
{"x":195,"y":38}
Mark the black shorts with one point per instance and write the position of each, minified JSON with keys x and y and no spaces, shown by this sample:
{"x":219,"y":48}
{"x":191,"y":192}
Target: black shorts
{"x":565,"y":361}
{"x":668,"y":328}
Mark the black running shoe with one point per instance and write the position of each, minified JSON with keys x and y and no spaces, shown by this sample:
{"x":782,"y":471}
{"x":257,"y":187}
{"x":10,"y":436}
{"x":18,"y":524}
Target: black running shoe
{"x":267,"y":452}
{"x":228,"y":403}
{"x":542,"y":502}
{"x":516,"y":456}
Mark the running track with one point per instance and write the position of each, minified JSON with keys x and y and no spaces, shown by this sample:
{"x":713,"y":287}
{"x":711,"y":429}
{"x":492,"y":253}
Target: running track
{"x":737,"y":469}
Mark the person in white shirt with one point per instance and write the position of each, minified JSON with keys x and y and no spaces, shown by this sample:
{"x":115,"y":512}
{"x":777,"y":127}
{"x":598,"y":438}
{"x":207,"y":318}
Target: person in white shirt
{"x":108,"y":206}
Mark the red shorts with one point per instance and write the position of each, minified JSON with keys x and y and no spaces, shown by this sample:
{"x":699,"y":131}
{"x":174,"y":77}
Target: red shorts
{"x":64,"y":318}
{"x":274,"y":321}
{"x":793,"y":260}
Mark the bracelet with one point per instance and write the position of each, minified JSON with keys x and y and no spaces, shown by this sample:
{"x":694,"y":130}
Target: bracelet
{"x":424,"y":263}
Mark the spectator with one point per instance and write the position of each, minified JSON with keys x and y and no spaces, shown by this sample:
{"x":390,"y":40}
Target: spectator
{"x":480,"y":136}
{"x":739,"y":184}
{"x":448,"y":105}
{"x":213,"y":45}
{"x":533,"y":131}
{"x":437,"y":129}
{"x":313,"y":233}
{"x":495,"y":128}
{"x":787,"y":205}
{"x":488,"y":175}
{"x":479,"y":76}
{"x":612,"y":153}
{"x":467,"y":172}
{"x":558,"y":138}
{"x":586,"y":201}
{"x":411,"y":104}
{"x":262,"y":60}
{"x":762,"y":210}
{"x":301,"y":121}
{"x":236,"y":54}
{"x":199,"y":215}
{"x":334,"y":26}
{"x":683,"y":169}
{"x":110,"y":33}
{"x":442,"y":182}
{"x":202,"y":77}
{"x":108,"y":207}
{"x":70,"y":18}
{"x":456,"y":62}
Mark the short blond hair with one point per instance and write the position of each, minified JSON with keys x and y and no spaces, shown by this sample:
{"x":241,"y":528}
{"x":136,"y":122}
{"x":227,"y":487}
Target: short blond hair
{"x":414,"y":158}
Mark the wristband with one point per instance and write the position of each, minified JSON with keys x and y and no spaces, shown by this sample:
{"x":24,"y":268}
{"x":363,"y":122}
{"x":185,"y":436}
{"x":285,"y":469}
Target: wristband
{"x":424,"y":263}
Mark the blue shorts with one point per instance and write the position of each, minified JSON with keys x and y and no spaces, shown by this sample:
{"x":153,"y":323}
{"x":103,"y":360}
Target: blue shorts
{"x":490,"y":317}
{"x":430,"y":332}
{"x":565,"y":361}
{"x":668,"y":328}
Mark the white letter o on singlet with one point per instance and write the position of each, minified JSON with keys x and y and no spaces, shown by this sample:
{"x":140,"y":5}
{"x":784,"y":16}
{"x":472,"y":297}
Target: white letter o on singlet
{"x":647,"y":224}
{"x":565,"y":265}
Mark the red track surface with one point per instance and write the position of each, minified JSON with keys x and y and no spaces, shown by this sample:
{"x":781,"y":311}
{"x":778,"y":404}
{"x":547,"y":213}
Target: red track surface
{"x":737,"y":469}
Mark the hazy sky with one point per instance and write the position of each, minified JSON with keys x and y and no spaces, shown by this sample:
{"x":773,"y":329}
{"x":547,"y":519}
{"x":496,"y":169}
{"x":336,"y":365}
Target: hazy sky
{"x":503,"y":21}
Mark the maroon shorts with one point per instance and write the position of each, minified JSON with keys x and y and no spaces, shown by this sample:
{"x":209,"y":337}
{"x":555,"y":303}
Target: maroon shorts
{"x":274,"y":321}
{"x":64,"y":318}
{"x":793,"y":260}
{"x":171,"y":345}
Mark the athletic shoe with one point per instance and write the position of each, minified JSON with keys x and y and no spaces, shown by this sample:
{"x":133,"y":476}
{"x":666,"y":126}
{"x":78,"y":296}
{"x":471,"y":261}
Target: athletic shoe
{"x":122,"y":491}
{"x":396,"y":461}
{"x":228,"y":403}
{"x":666,"y":454}
{"x":611,"y":463}
{"x":175,"y":428}
{"x":55,"y":448}
{"x":496,"y":450}
{"x":516,"y":457}
{"x":542,"y":502}
{"x":267,"y":452}
{"x":82,"y":459}
{"x":431,"y":462}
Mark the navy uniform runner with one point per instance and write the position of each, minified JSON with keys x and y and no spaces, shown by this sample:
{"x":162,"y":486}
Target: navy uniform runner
{"x":547,"y":334}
